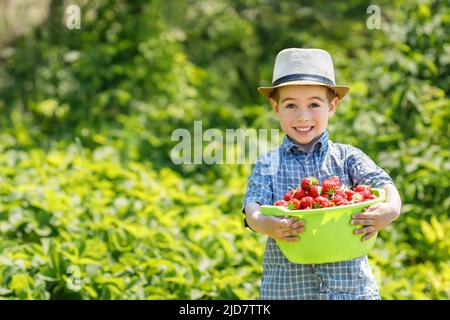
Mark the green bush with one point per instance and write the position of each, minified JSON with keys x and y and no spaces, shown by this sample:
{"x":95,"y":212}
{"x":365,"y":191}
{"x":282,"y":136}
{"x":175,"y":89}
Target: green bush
{"x":124,"y":232}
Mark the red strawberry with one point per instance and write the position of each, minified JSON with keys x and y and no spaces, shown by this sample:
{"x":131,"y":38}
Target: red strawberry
{"x":329,"y":187}
{"x":336,"y":180}
{"x":363,"y":187}
{"x":281,"y":203}
{"x":300,"y":193}
{"x":338,"y":198}
{"x":316,"y":205}
{"x":307,"y":202}
{"x":340,"y":193}
{"x":365,"y":194}
{"x":329,"y":204}
{"x":309,"y":182}
{"x":349,"y":194}
{"x":287,"y":196}
{"x":320,"y":202}
{"x":294,"y":204}
{"x":304,"y":193}
{"x":343,"y":202}
{"x":315,"y":191}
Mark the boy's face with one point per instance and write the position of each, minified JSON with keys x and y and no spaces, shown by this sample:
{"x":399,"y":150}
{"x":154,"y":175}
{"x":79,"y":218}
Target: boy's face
{"x":303,"y":111}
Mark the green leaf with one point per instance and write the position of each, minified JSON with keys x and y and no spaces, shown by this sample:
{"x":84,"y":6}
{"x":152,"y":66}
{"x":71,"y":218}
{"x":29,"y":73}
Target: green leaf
{"x":428,"y":231}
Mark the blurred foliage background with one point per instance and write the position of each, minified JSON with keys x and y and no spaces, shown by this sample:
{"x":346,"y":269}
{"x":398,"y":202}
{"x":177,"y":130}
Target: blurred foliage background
{"x":89,"y":195}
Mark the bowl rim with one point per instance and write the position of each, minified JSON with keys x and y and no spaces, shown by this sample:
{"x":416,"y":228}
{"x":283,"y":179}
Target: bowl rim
{"x":282,"y":211}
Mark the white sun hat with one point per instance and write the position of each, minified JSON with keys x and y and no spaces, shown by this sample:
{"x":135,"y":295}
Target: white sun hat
{"x":305,"y":67}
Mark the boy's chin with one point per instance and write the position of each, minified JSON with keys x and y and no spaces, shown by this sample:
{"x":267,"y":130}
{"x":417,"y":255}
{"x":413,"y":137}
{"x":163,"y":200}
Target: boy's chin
{"x":302,"y":142}
{"x":305,"y":142}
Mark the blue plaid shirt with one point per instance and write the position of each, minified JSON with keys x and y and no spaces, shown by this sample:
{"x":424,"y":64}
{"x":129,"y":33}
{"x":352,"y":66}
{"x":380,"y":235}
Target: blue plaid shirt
{"x":271,"y":178}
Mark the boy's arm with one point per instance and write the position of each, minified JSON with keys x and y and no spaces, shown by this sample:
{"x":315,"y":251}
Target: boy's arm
{"x":278,"y":229}
{"x":259,"y":191}
{"x":393,"y":199}
{"x":363,"y":170}
{"x":378,"y":216}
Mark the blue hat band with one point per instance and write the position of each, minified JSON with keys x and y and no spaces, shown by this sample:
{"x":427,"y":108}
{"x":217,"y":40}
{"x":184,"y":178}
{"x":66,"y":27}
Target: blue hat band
{"x":302,"y":76}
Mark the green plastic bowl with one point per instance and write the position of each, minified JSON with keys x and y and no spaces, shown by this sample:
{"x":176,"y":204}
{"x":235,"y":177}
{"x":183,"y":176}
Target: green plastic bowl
{"x":328,"y":235}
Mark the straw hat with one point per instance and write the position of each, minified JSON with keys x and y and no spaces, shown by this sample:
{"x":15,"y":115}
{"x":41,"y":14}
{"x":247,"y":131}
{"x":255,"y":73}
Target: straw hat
{"x":305,"y":67}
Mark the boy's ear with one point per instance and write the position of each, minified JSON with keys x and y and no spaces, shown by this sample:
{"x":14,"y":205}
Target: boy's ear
{"x":274,"y":107}
{"x":333,"y":106}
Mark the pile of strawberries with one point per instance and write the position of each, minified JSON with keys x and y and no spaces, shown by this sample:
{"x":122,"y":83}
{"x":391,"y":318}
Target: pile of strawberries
{"x":310,"y":195}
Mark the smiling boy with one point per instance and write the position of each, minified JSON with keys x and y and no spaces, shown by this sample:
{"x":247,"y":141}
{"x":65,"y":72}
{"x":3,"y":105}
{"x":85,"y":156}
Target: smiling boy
{"x":304,"y":96}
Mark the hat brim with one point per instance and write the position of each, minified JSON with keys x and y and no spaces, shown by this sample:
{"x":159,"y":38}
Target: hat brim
{"x":341,"y":91}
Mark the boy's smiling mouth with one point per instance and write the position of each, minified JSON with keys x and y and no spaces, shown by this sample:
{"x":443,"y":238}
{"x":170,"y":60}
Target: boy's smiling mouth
{"x":303,"y":130}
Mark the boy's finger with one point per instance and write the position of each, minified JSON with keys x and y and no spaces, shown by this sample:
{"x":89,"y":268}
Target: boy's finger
{"x":296,"y":225}
{"x":282,"y":219}
{"x":299,"y":230}
{"x":366,"y":230}
{"x":292,"y":232}
{"x":290,"y":222}
{"x":371,"y":208}
{"x":363,"y":222}
{"x":293,"y":219}
{"x":366,"y":215}
{"x":368,"y":236}
{"x":299,"y":223}
{"x":290,"y":238}
{"x":283,"y":224}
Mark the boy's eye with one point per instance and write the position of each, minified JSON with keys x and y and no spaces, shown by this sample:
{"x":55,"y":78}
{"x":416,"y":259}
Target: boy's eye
{"x":291,"y":106}
{"x":314,"y":105}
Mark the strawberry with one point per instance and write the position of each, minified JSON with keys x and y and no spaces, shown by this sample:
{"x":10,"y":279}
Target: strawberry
{"x":281,"y":203}
{"x":338,"y":198}
{"x":349,"y":194}
{"x":329,"y":187}
{"x":315,"y":191}
{"x":340,"y":193}
{"x":320,"y":202}
{"x":307,"y":202}
{"x":365,"y":194}
{"x":304,"y":193}
{"x":309,"y":182}
{"x":316,"y":205}
{"x":300,"y":193}
{"x":288,"y":195}
{"x":372,"y":197}
{"x":294,"y":204}
{"x":363,"y":187}
{"x":336,"y":180}
{"x":343,"y":202}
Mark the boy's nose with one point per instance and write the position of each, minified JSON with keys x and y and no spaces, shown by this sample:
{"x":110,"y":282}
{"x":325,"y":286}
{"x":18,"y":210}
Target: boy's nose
{"x":302,"y":115}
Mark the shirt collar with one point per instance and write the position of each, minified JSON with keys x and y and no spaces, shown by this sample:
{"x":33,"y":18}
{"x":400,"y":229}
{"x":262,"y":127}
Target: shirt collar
{"x":289,"y":146}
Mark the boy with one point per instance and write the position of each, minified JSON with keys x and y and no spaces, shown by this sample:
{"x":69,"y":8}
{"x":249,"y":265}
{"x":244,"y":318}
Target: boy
{"x":303,"y":96}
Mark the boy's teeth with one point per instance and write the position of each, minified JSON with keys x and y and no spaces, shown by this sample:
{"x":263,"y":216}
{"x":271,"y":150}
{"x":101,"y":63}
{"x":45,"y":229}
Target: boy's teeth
{"x":303,"y":129}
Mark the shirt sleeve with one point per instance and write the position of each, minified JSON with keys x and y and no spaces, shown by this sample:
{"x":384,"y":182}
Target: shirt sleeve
{"x":363,"y":170}
{"x":259,"y":186}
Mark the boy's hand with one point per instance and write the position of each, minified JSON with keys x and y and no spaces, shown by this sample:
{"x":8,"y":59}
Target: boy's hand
{"x":278,"y":228}
{"x":284,"y":228}
{"x":375,"y":218}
